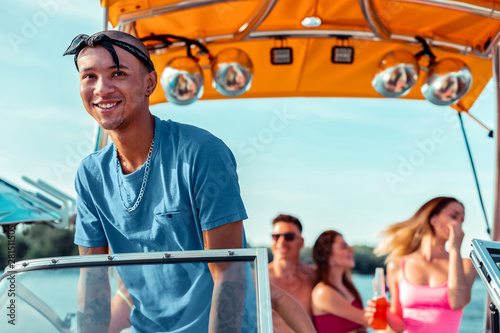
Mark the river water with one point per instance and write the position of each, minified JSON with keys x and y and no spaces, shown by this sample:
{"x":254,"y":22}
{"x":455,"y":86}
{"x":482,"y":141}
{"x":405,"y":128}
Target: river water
{"x":58,"y":289}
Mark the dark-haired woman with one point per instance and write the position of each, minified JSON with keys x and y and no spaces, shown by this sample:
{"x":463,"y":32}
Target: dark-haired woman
{"x":336,"y":304}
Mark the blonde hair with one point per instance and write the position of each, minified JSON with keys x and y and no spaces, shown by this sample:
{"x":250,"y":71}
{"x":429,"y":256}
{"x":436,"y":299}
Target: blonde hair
{"x":403,"y":238}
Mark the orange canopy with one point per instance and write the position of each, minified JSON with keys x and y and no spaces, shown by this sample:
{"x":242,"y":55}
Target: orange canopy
{"x":460,"y":29}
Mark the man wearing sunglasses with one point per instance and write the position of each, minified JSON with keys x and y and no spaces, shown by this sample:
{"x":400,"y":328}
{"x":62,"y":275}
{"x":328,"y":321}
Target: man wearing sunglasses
{"x":285,"y":271}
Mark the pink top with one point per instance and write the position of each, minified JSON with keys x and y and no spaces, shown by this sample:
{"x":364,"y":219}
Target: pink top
{"x":330,"y":323}
{"x":427,"y":309}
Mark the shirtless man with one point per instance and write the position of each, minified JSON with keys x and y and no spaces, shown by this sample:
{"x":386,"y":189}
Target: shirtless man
{"x":285,"y":271}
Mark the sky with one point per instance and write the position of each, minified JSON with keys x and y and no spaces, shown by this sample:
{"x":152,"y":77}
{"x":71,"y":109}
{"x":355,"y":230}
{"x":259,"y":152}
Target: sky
{"x":353,"y":165}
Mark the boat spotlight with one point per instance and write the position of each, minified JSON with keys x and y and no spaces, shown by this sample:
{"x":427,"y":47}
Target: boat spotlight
{"x":398,"y":73}
{"x":182,"y":81}
{"x":232,"y":72}
{"x":449,"y":80}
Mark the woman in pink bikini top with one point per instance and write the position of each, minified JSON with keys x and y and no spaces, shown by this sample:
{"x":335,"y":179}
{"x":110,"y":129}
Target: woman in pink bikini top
{"x":429,"y":286}
{"x":336,"y":304}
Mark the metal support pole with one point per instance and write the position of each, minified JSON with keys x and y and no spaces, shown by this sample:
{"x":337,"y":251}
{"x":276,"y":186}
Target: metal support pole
{"x":496,"y":78}
{"x":488,"y":231}
{"x":100,"y":134}
{"x":494,"y":319}
{"x":496,"y":218}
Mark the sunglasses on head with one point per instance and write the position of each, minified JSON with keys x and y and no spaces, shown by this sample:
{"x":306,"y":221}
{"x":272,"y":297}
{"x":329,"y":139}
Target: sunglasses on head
{"x":82,"y":41}
{"x":289,"y":236}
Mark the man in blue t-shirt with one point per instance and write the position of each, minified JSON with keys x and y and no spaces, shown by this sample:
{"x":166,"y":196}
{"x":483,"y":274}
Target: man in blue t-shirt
{"x":161,"y":186}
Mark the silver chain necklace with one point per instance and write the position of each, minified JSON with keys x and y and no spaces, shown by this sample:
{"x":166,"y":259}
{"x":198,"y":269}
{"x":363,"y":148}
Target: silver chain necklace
{"x":144,"y":179}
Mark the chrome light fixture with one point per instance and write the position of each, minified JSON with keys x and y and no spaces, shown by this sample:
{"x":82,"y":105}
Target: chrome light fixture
{"x":232,"y":72}
{"x":398,"y":72}
{"x":449,"y":80}
{"x":182,"y":81}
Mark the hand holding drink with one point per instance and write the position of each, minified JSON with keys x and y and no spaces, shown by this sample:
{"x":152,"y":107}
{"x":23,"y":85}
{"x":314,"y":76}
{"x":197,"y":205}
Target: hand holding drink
{"x":380,"y":316}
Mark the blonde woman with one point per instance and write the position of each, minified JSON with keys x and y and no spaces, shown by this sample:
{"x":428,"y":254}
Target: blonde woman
{"x":429,"y":285}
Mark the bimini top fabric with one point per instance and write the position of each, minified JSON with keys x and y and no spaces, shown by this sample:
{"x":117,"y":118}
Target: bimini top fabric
{"x":467,"y":30}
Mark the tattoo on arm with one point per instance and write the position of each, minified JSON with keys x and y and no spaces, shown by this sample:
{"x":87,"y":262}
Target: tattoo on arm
{"x":230,"y":299}
{"x":97,"y":313}
{"x":83,"y":250}
{"x":96,"y":275}
{"x":94,"y":300}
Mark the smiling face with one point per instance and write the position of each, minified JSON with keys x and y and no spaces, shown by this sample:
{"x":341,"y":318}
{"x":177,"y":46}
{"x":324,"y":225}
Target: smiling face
{"x":114,"y":97}
{"x":283,"y":248}
{"x":342,"y":254}
{"x":453,"y":213}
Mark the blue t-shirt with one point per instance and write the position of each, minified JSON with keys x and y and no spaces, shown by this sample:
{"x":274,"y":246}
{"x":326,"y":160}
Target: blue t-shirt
{"x":192,"y":187}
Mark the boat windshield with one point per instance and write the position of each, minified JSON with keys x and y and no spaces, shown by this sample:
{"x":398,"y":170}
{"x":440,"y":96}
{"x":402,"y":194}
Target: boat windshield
{"x":55,"y":295}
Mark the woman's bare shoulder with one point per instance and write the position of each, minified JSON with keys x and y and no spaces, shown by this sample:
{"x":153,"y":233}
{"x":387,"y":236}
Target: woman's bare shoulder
{"x":323,"y":291}
{"x":394,"y":264}
{"x":394,"y":267}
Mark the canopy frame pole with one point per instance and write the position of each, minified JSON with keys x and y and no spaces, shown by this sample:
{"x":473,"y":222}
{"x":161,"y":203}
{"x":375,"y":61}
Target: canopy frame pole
{"x":182,"y":5}
{"x":496,"y":78}
{"x":105,"y":18}
{"x":100,"y":134}
{"x":495,"y":236}
{"x":378,"y":28}
{"x":474,"y":173}
{"x":460,"y":6}
{"x":490,"y":48}
{"x":251,"y":25}
{"x":367,"y":34}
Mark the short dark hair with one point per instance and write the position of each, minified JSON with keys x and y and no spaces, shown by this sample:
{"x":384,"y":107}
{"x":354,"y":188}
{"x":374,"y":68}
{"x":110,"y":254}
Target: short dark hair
{"x":288,"y":219}
{"x":128,"y":38}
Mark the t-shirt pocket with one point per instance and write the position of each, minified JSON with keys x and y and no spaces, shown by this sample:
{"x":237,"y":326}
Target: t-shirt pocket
{"x":173,"y":231}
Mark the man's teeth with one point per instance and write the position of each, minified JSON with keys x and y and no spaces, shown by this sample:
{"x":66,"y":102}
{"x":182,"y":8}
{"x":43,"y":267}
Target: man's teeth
{"x":106,"y":106}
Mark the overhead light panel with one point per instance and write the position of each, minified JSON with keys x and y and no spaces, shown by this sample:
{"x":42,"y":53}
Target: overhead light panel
{"x":281,"y":55}
{"x":342,"y":54}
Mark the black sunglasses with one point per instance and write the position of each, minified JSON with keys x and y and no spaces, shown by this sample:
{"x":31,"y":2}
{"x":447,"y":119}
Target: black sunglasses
{"x":289,"y":236}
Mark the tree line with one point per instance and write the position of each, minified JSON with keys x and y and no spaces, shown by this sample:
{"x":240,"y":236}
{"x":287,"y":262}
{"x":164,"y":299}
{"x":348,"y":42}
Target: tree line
{"x":364,"y":258}
{"x":39,"y":241}
{"x":42,"y":241}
